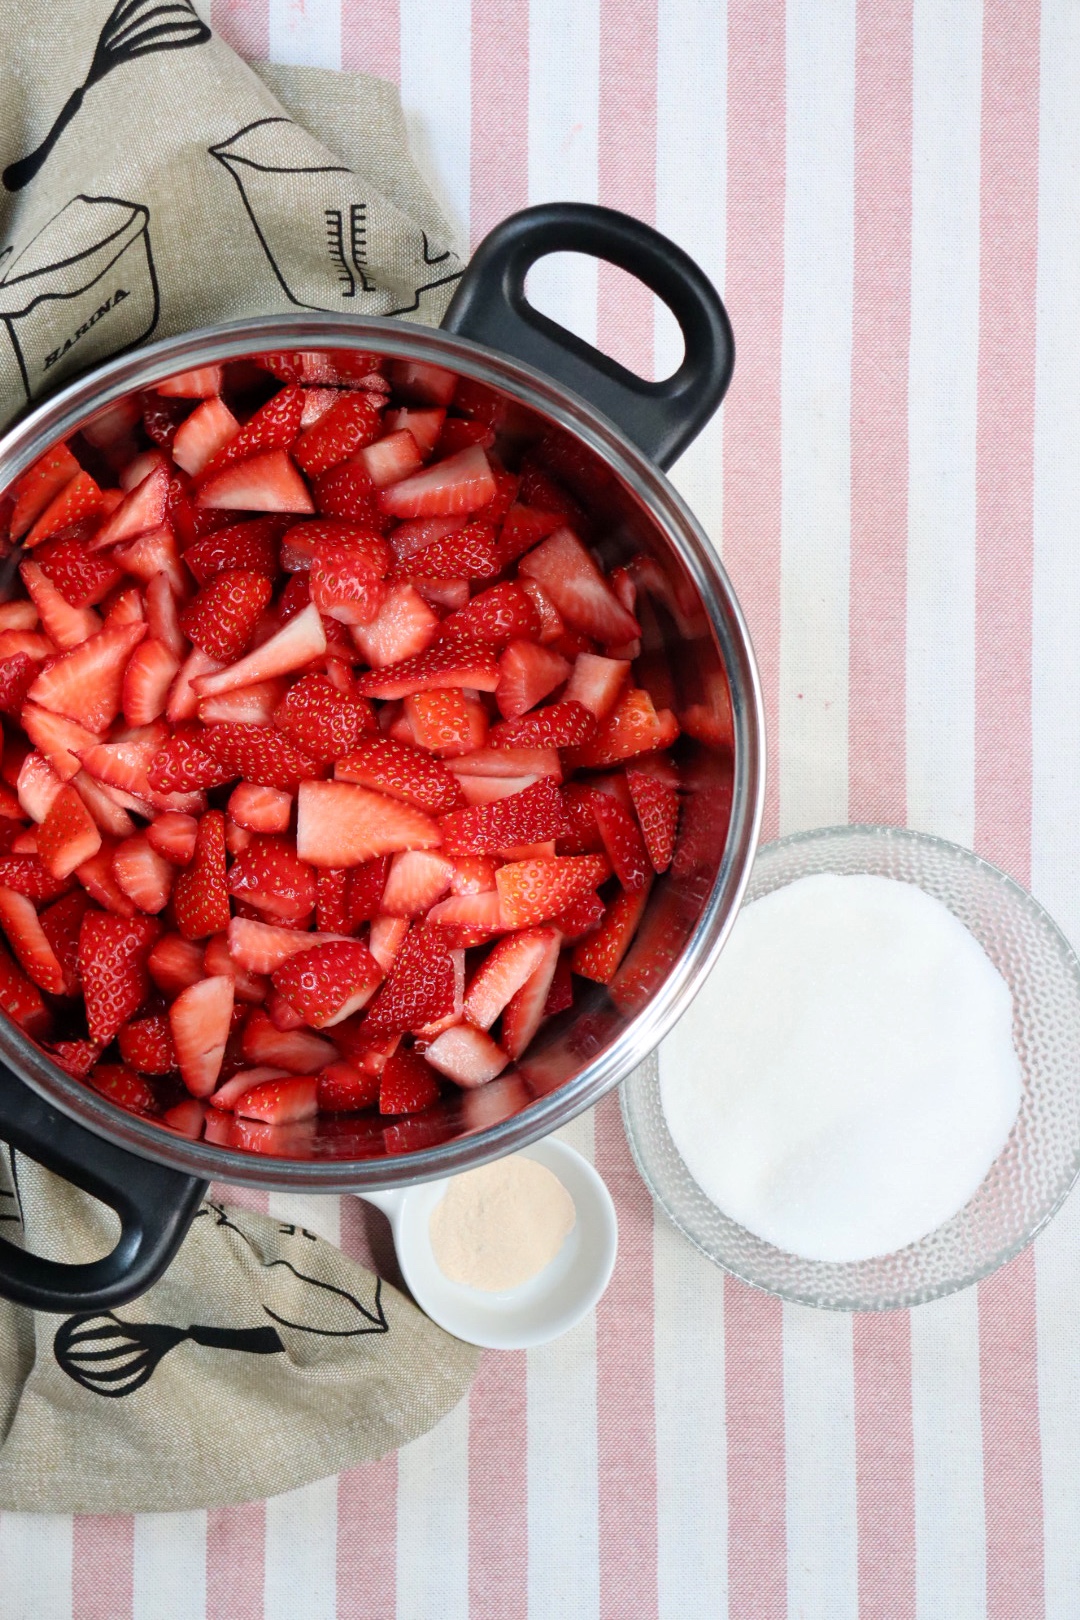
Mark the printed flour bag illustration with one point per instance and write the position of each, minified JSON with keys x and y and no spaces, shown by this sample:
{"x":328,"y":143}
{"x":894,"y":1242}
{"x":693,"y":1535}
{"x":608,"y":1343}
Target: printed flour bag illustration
{"x":312,"y":221}
{"x":81,"y":290}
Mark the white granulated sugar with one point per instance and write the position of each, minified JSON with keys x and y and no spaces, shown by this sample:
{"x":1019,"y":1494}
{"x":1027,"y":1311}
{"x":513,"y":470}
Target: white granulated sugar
{"x":847,"y":1076}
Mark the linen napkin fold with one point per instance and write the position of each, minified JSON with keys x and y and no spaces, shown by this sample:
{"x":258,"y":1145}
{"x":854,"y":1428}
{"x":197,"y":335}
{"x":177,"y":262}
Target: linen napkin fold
{"x":152,"y":183}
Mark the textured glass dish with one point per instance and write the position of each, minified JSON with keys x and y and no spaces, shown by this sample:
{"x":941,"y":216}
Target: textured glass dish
{"x":1031,"y":1176}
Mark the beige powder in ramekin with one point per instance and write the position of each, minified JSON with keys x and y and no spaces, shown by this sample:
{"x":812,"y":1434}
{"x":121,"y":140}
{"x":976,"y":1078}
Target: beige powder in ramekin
{"x":501,"y":1224}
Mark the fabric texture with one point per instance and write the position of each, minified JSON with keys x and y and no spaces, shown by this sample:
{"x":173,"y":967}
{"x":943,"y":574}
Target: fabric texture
{"x":173,"y":192}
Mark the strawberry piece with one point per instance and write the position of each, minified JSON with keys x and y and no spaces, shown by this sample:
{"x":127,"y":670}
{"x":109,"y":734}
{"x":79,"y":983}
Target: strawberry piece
{"x":507,"y":762}
{"x":31,"y":947}
{"x":217,"y":958}
{"x":37,"y":786}
{"x":447,"y":722}
{"x":345,"y":1089}
{"x":458,"y":662}
{"x":147,"y":1044}
{"x":17,"y":675}
{"x":260,"y":754}
{"x":68,"y":835}
{"x":83,"y":577}
{"x":174,"y":963}
{"x":420,"y":986}
{"x":172,"y":834}
{"x":200,"y":1020}
{"x":123,"y":1087}
{"x":366,"y":886}
{"x":457,"y":434}
{"x":597,"y":682}
{"x":231,"y":1090}
{"x":76,"y":1057}
{"x":267,"y":483}
{"x":578,"y":589}
{"x":656,"y":804}
{"x":425,"y":427}
{"x":561,"y":725}
{"x":187,"y":1118}
{"x":66,"y":625}
{"x":297,"y":1051}
{"x":339,"y":824}
{"x":527,"y":673}
{"x":528,"y":1007}
{"x":522,"y":527}
{"x":197,"y":384}
{"x":273,"y":428}
{"x":622,"y":841}
{"x":142,"y":510}
{"x":561,"y":994}
{"x":269,"y":876}
{"x":59,"y":739}
{"x":462,"y":483}
{"x":161,"y":417}
{"x":348,"y":492}
{"x":386,"y":936}
{"x":21,"y":1000}
{"x":281,"y":1102}
{"x":145,"y":876}
{"x":113,"y":954}
{"x":332,"y":911}
{"x":472,"y":874}
{"x":184,"y":766}
{"x":344,"y":585}
{"x":301,"y":540}
{"x":200,"y":436}
{"x":295,"y":645}
{"x":528,"y":817}
{"x":260,"y":809}
{"x":420,"y":380}
{"x":598,"y":956}
{"x":149,"y":675}
{"x":26,"y":875}
{"x":536,"y":891}
{"x":350,"y":424}
{"x":390,"y":458}
{"x":183,"y":701}
{"x":252,"y":546}
{"x":321,"y":720}
{"x":407,"y":1084}
{"x":538,"y":489}
{"x":468,"y":553}
{"x":469,"y":919}
{"x":506,"y":968}
{"x":581,"y":917}
{"x":39,"y":486}
{"x":79,"y":498}
{"x":246,"y":705}
{"x":96,"y":877}
{"x":258,"y":947}
{"x":467,"y":1056}
{"x":402,"y":628}
{"x":633,"y":727}
{"x":500,"y":614}
{"x":200,"y":895}
{"x":417,"y":878}
{"x":329,"y":982}
{"x":86,"y":683}
{"x":222,"y":618}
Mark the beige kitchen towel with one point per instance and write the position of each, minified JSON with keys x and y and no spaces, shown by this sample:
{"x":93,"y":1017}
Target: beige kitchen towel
{"x":152,"y":183}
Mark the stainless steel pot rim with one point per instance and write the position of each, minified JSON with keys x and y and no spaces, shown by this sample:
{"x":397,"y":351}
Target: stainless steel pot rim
{"x":65,"y":411}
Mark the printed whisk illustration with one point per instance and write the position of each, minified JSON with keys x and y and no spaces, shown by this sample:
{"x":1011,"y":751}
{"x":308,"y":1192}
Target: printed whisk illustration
{"x":132,"y":29}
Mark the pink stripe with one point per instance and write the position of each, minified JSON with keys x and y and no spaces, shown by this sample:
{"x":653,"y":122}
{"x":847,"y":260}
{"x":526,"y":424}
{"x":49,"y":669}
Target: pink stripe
{"x":102,"y":1566}
{"x":235,"y":1562}
{"x":367,"y":1542}
{"x":754,"y":1395}
{"x":371,"y":38}
{"x":242,"y":1197}
{"x":499,"y":181}
{"x":626,"y":1390}
{"x":1012,"y":1459}
{"x":885,"y":1466}
{"x":755,"y":299}
{"x":881,"y":330}
{"x":626,"y":170}
{"x":245,"y":25}
{"x":498,"y":1488}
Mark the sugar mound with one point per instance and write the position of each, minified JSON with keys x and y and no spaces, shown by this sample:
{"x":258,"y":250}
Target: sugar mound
{"x":847,"y":1076}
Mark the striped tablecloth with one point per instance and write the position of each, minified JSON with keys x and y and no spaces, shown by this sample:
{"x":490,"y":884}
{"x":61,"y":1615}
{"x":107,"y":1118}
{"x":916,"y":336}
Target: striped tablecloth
{"x":888,"y":191}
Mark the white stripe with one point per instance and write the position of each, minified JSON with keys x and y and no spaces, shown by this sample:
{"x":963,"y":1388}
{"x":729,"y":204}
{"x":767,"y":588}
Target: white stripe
{"x":564,"y":101}
{"x":819,"y":1428}
{"x":169,"y":1576}
{"x":436,"y":93}
{"x":950,"y":1527}
{"x":1056,"y":736}
{"x":561,"y":1458}
{"x":35,"y":1566}
{"x":691,"y":200}
{"x":816,"y":421}
{"x":942,"y":383}
{"x":300,"y":1574}
{"x":306,"y":33}
{"x":433,"y":1522}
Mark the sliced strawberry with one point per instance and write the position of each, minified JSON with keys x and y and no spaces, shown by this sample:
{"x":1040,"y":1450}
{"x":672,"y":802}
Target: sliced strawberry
{"x":507,"y":762}
{"x":217,"y":958}
{"x":200,"y":895}
{"x":329,"y":982}
{"x":561,"y":994}
{"x":462,"y":483}
{"x":657,"y":806}
{"x":222,"y":618}
{"x":183,"y":701}
{"x":145,"y":876}
{"x":86,"y":684}
{"x":295,"y":645}
{"x":187,"y":1118}
{"x":633,"y":727}
{"x":407,"y":1085}
{"x":33,"y":952}
{"x":416,"y":880}
{"x":403,"y":627}
{"x":147,"y":1044}
{"x":332,"y":911}
{"x":622,"y":841}
{"x":77,"y":499}
{"x":408,"y":538}
{"x":260,"y":754}
{"x":345,"y":1089}
{"x":76,"y":1057}
{"x":500,"y":614}
{"x":472,"y":874}
{"x":598,"y":956}
{"x":469,"y":919}
{"x":301,"y":540}
{"x":447,"y":722}
{"x":260,"y":809}
{"x":172,"y":834}
{"x":149,"y":675}
{"x":390,"y":458}
{"x":143,"y":508}
{"x":527,"y":673}
{"x":252,"y":705}
{"x":560,"y":725}
{"x":197,"y":384}
{"x":424,"y":425}
{"x":267,"y":483}
{"x":366,"y":885}
{"x":456,"y":662}
{"x":420,"y":986}
{"x":59,"y":739}
{"x":467,"y":1056}
{"x":96,"y":877}
{"x":113,"y":953}
{"x":344,"y":586}
{"x":17,"y":675}
{"x":39,"y":486}
{"x":252,"y":546}
{"x":581,"y":917}
{"x":507,"y":967}
{"x":351,"y":423}
{"x":540,"y":490}
{"x":124,"y":1087}
{"x":37,"y":785}
{"x":522,"y":527}
{"x":174,"y":963}
{"x":68,"y":836}
{"x":321,"y":720}
{"x":67,"y":625}
{"x":339,"y":824}
{"x":526,"y":1009}
{"x":347,"y":492}
{"x":281,"y":1102}
{"x":231,"y":1090}
{"x":270,"y":876}
{"x":83,"y":577}
{"x":578,"y":589}
{"x":297,"y":1051}
{"x":457,"y":434}
{"x":183,"y":765}
{"x":258,"y":947}
{"x":523,"y":818}
{"x":536,"y":891}
{"x":27,"y":875}
{"x":200,"y":436}
{"x":200,"y":1020}
{"x":161,"y":417}
{"x":467,"y":553}
{"x":421,"y":381}
{"x":21,"y":1000}
{"x":272,"y":429}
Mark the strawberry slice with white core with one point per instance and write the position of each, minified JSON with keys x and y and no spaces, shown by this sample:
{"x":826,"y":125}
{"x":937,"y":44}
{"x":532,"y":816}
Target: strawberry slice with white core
{"x":507,"y":762}
{"x":417,"y":879}
{"x":578,"y":589}
{"x":526,"y":1010}
{"x":183,"y":702}
{"x":200,"y":1019}
{"x":86,"y":684}
{"x":403,"y":627}
{"x":297,"y":1051}
{"x":67,"y":625}
{"x":386,"y":937}
{"x":173,"y":834}
{"x":486,"y":789}
{"x":40,"y":485}
{"x":281,"y":1102}
{"x":198,"y":439}
{"x":424,"y":425}
{"x":260,"y":809}
{"x":109,"y":806}
{"x":507,"y":967}
{"x":37,"y":786}
{"x":252,"y":705}
{"x":231,"y":1090}
{"x":61,"y":740}
{"x":35,"y":955}
{"x":258,"y":947}
{"x":461,"y":483}
{"x":328,"y":982}
{"x":267,"y":483}
{"x":148,"y":678}
{"x":467,"y":1056}
{"x":527,"y":673}
{"x":142,"y":509}
{"x":174,"y":963}
{"x":145,"y":876}
{"x":469,"y":919}
{"x":69,"y":835}
{"x":390,"y":459}
{"x":419,"y":380}
{"x":339,"y":824}
{"x":197,"y":384}
{"x":299,"y":641}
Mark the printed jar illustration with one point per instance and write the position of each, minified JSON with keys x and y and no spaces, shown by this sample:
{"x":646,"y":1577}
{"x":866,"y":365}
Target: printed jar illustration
{"x":81,"y":290}
{"x":313,"y":221}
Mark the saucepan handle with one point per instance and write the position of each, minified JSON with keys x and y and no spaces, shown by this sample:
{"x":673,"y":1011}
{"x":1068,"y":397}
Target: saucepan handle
{"x":490,"y":307}
{"x":156,"y":1206}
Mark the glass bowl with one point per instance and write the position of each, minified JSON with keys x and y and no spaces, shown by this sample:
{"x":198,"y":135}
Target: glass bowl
{"x":1030,"y":1178}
